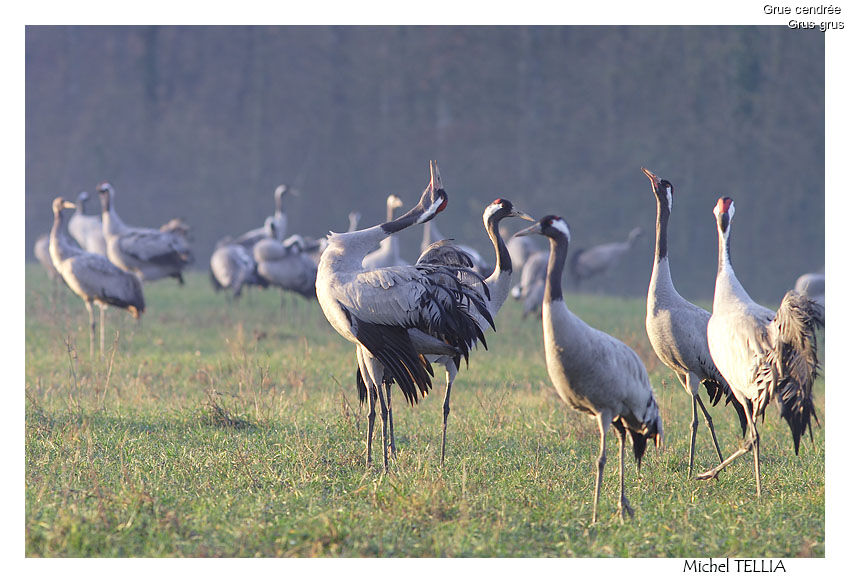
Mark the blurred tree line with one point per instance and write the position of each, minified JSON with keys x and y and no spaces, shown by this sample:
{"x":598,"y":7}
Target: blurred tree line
{"x":204,"y":122}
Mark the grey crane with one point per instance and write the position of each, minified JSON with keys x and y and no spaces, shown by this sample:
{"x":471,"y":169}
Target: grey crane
{"x":278,"y":219}
{"x":87,"y":230}
{"x":497,"y":285}
{"x":677,"y":328}
{"x":387,"y":253}
{"x":593,"y":372}
{"x":762,"y":355}
{"x":233,"y":267}
{"x":92,"y":276}
{"x":532,"y":282}
{"x":286,"y":265}
{"x":379,"y":309}
{"x":149,"y":253}
{"x":587,"y":263}
{"x":520,"y":248}
{"x":431,"y":234}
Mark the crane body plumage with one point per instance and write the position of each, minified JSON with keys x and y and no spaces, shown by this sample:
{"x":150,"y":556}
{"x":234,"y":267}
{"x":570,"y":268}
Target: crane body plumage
{"x":92,"y":276}
{"x":377,"y":309}
{"x":149,"y":253}
{"x":592,"y":371}
{"x":677,"y":328}
{"x":763,"y":355}
{"x":494,"y":289}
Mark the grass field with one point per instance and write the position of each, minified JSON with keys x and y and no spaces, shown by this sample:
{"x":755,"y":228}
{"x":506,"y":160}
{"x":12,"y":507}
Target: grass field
{"x":215,"y":429}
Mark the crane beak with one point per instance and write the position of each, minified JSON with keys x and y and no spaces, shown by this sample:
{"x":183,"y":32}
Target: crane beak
{"x":652,"y":177}
{"x":436,"y":180}
{"x":521,"y":215}
{"x":67,"y":204}
{"x":534,"y":229}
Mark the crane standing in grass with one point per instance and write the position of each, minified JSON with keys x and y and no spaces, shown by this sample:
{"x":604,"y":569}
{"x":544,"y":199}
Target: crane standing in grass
{"x":495,"y":287}
{"x":92,"y":276}
{"x":593,"y":372}
{"x":380,"y":310}
{"x":763,"y":355}
{"x":677,"y":328}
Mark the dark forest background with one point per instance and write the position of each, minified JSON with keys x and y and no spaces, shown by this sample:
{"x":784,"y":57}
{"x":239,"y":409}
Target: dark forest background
{"x":204,"y":122}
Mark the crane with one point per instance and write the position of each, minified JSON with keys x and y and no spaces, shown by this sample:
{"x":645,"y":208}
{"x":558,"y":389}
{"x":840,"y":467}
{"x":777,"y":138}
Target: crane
{"x":677,"y":329}
{"x":278,"y":219}
{"x":587,"y":263}
{"x":87,"y":230}
{"x":377,"y":309}
{"x":593,"y":372}
{"x":149,"y":253}
{"x":532,"y":282}
{"x":495,"y":287}
{"x":92,"y":276}
{"x":286,"y":265}
{"x":763,"y":355}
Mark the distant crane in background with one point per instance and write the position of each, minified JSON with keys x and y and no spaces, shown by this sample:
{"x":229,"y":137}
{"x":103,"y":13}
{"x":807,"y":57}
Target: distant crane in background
{"x":594,"y":261}
{"x":278,"y":220}
{"x":149,"y":253}
{"x":87,"y":230}
{"x":532,"y":282}
{"x":92,"y":276}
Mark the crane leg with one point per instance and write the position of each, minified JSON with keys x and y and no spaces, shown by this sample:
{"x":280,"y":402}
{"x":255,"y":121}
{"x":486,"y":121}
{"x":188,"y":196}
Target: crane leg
{"x":756,"y":461}
{"x":91,"y":329}
{"x":623,"y":506}
{"x":388,"y":390}
{"x":751,"y":444}
{"x":603,"y":420}
{"x":451,"y":373}
{"x":694,"y":425}
{"x":710,"y":424}
{"x":384,"y":427}
{"x":370,"y":417}
{"x":102,"y":329}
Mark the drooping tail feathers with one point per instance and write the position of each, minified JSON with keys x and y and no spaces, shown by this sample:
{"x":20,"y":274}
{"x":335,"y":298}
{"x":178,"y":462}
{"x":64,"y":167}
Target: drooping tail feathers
{"x":716,"y":388}
{"x":795,"y":361}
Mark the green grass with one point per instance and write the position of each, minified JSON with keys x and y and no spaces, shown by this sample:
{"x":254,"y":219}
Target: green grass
{"x":213,"y":429}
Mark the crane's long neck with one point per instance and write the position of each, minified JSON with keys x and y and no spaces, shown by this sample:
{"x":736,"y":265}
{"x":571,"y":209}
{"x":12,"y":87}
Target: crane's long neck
{"x":498,"y":282}
{"x":112,"y":223}
{"x":555,"y":269}
{"x":59,"y":247}
{"x":660,"y":281}
{"x":346,"y":251}
{"x":726,"y":286}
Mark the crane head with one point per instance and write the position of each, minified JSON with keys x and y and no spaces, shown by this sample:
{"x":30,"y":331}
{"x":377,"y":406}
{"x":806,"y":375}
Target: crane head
{"x":550,"y":226}
{"x":60,"y":203}
{"x":724,"y":210}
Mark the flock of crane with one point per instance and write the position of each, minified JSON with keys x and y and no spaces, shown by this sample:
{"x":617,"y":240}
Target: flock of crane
{"x":402,"y":318}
